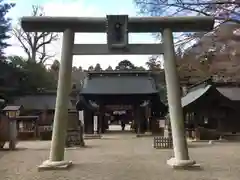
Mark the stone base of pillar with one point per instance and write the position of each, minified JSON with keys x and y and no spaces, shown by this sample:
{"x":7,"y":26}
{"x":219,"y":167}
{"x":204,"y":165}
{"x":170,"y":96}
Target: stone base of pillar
{"x":12,"y":145}
{"x":92,"y":136}
{"x":54,"y":165}
{"x":182,"y":164}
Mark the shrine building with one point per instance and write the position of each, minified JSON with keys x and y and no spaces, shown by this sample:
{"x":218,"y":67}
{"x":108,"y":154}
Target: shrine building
{"x":129,"y":96}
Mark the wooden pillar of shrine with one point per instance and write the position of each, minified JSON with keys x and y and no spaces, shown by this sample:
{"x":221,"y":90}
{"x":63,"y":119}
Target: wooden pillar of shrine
{"x":137,"y":118}
{"x":196,"y":127}
{"x":91,"y":123}
{"x":88,"y":122}
{"x":101,"y":116}
{"x":148,"y":119}
{"x":99,"y":127}
{"x":103,"y":122}
{"x":106,"y":119}
{"x":99,"y":123}
{"x":85,"y":114}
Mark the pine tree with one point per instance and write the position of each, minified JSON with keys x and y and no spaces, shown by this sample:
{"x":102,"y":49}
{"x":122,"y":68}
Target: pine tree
{"x":4,"y":26}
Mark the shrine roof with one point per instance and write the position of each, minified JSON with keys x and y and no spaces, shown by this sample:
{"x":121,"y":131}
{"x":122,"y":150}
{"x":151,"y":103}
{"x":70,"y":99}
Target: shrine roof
{"x":12,"y":108}
{"x":194,"y":95}
{"x":226,"y":91}
{"x":232,"y":93}
{"x":119,"y":73}
{"x":119,"y":85}
{"x":229,"y":89}
{"x":38,"y":102}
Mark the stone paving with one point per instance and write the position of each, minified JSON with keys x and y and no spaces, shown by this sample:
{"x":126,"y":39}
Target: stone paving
{"x":121,"y":157}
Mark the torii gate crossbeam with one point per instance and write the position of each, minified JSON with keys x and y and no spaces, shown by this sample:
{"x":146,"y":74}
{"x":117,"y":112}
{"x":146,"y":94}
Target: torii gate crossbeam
{"x":165,"y":25}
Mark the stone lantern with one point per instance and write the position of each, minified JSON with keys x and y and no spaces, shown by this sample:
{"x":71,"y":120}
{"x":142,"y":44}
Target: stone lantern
{"x":12,"y":112}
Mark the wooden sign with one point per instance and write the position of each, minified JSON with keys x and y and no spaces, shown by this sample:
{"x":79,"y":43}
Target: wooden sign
{"x":95,"y":123}
{"x":161,"y":123}
{"x":81,"y":117}
{"x":73,"y":138}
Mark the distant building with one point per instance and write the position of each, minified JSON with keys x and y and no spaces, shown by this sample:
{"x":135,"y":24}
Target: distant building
{"x":214,"y":107}
{"x":42,"y":104}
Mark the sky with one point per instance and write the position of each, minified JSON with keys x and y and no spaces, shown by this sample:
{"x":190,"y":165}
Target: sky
{"x":81,"y":8}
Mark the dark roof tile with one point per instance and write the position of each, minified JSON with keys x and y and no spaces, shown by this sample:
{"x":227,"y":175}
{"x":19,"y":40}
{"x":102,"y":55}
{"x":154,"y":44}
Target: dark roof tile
{"x":39,"y":102}
{"x":119,"y":85}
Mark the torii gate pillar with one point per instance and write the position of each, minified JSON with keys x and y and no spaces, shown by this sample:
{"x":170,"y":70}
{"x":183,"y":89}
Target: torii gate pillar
{"x":56,"y":158}
{"x":119,"y":45}
{"x":181,"y":157}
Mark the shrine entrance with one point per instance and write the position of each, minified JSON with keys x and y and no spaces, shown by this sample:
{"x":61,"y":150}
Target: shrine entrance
{"x":120,"y":97}
{"x":117,"y":28}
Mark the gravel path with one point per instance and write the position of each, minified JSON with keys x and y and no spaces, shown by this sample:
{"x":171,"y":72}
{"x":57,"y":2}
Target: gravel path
{"x":121,"y":157}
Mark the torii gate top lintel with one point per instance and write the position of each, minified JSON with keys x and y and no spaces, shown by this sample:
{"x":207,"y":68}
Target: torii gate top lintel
{"x":135,"y":24}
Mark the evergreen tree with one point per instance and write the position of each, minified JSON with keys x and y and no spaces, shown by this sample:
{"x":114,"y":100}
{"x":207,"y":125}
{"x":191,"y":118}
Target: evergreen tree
{"x":4,"y":26}
{"x":125,"y":65}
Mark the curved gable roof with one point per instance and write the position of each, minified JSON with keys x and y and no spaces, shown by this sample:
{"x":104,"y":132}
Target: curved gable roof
{"x":233,"y":93}
{"x":38,"y":102}
{"x":123,"y":85}
{"x":194,"y":95}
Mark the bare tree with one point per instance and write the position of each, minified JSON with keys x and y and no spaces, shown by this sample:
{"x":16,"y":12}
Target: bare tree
{"x":34,"y":43}
{"x":222,"y":10}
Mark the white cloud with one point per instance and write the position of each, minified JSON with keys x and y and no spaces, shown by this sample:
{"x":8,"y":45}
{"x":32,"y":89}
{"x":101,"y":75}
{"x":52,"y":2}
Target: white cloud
{"x":81,"y":9}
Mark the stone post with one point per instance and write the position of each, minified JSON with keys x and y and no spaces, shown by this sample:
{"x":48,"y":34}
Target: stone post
{"x":181,"y":157}
{"x":56,"y":159}
{"x":12,"y":133}
{"x":96,"y":127}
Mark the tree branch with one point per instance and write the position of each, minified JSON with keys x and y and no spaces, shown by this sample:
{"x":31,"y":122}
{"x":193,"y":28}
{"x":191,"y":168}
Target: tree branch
{"x":32,"y":42}
{"x":52,"y":37}
{"x":21,"y":40}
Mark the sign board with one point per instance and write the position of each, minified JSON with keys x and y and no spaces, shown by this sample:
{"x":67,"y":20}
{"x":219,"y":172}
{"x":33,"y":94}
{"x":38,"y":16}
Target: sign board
{"x":95,"y":123}
{"x":161,"y":123}
{"x":81,"y":117}
{"x":73,"y":138}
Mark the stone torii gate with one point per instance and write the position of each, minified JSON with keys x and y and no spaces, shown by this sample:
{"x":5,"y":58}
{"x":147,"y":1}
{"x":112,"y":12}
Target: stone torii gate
{"x":117,"y":28}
